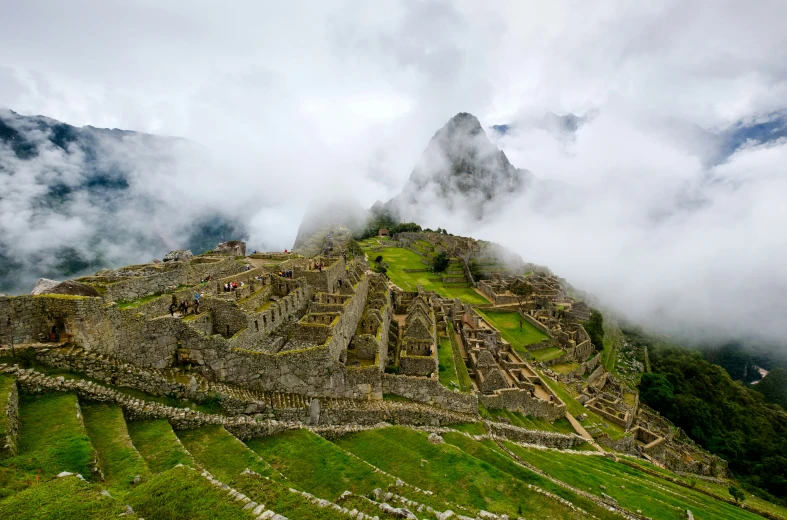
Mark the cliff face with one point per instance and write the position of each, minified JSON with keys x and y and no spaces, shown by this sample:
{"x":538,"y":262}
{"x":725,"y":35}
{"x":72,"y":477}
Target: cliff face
{"x":460,"y":170}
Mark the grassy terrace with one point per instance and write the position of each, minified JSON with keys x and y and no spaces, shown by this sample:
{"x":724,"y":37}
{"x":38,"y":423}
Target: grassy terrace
{"x":465,"y":384}
{"x":447,"y":367}
{"x":508,"y":323}
{"x":531,"y":423}
{"x":631,"y":488}
{"x":62,"y":498}
{"x":119,"y":460}
{"x":316,"y":465}
{"x":399,"y":259}
{"x":450,"y":473}
{"x":220,"y":453}
{"x":277,"y":497}
{"x":546,"y":354}
{"x":51,"y":439}
{"x":159,"y":446}
{"x":183,"y":493}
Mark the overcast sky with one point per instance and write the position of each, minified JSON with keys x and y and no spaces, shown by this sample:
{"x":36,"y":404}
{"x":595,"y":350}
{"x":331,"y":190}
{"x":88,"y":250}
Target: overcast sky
{"x":302,"y":99}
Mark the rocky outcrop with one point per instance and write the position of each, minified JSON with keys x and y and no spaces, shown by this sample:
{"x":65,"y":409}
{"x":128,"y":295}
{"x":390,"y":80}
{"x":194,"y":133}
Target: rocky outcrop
{"x":69,"y":287}
{"x":179,"y":255}
{"x":231,"y":248}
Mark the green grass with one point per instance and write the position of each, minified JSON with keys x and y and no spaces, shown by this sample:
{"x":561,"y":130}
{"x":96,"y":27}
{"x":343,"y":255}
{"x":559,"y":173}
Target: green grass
{"x":475,"y":428}
{"x":119,"y":460}
{"x":608,"y":356}
{"x":316,"y":465}
{"x":545,"y":354}
{"x":508,"y":323}
{"x":132,"y":304}
{"x":182,"y":494}
{"x":159,"y":446}
{"x":465,"y":384}
{"x":489,"y":452}
{"x":564,"y":368}
{"x":51,"y":439}
{"x":451,"y":474}
{"x":633,"y":489}
{"x":60,"y":499}
{"x":400,"y":259}
{"x":446,"y":367}
{"x":224,"y":456}
{"x":6,"y":387}
{"x":277,"y":497}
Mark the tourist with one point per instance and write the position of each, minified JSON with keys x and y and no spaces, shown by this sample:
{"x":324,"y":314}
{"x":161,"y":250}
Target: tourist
{"x":172,"y":307}
{"x":551,"y":398}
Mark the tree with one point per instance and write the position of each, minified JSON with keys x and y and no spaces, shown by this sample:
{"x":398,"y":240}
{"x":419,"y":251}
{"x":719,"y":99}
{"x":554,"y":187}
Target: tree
{"x":378,"y":259}
{"x":440,"y":263}
{"x":522,"y":290}
{"x":657,"y":391}
{"x":738,"y":494}
{"x":595,"y":328}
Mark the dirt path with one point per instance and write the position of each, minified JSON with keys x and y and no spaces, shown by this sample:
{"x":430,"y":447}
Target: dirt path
{"x":583,"y":432}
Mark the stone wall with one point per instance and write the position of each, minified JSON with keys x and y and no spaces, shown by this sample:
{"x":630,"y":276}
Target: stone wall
{"x":9,"y":421}
{"x":187,"y":274}
{"x":537,"y":437}
{"x":430,"y":391}
{"x":417,"y":365}
{"x":520,"y":400}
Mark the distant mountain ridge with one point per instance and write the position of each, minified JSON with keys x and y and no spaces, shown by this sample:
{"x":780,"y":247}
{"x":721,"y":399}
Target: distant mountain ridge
{"x":78,"y":199}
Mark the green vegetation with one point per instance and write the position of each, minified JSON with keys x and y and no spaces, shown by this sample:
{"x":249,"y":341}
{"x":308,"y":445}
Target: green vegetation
{"x":399,"y":259}
{"x":220,"y":453}
{"x":514,"y":329}
{"x":316,"y":465}
{"x":546,"y":354}
{"x":632,"y":489}
{"x":450,"y":473}
{"x":51,"y":439}
{"x":159,"y":446}
{"x":119,"y":460}
{"x":489,"y":452}
{"x":475,"y":428}
{"x":737,"y":493}
{"x":531,"y":423}
{"x":595,"y":329}
{"x":180,"y":494}
{"x":277,"y":497}
{"x":564,"y":368}
{"x":132,"y":304}
{"x":774,"y":387}
{"x":440,"y":262}
{"x":720,"y":414}
{"x":60,"y":499}
{"x":447,"y":368}
{"x":465,"y":385}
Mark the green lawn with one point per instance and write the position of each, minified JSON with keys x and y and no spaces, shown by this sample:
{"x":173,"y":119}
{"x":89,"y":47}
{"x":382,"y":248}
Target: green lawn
{"x":508,"y":323}
{"x":159,"y":446}
{"x":634,"y":490}
{"x":489,"y":452}
{"x":450,"y":473}
{"x":131,"y":304}
{"x":564,"y":368}
{"x":224,"y":456}
{"x":61,"y":499}
{"x":475,"y":428}
{"x":465,"y":384}
{"x":447,"y":368}
{"x":399,"y":259}
{"x":182,"y":494}
{"x":51,"y":439}
{"x":277,"y":497}
{"x":119,"y":460}
{"x":531,"y":423}
{"x":545,"y":354}
{"x":316,"y":465}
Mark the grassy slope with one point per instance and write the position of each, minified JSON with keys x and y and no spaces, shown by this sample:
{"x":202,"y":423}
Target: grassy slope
{"x":465,"y":385}
{"x":51,"y":439}
{"x":400,"y":259}
{"x":632,"y":489}
{"x":508,"y":325}
{"x":447,"y":368}
{"x":182,"y":494}
{"x":545,"y":354}
{"x":277,"y":497}
{"x":119,"y":460}
{"x":316,"y":465}
{"x":220,"y":453}
{"x":491,"y":453}
{"x":159,"y":446}
{"x":59,"y":499}
{"x":450,"y":473}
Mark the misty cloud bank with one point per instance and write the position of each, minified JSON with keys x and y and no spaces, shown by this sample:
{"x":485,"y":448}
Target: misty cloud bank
{"x":648,"y":202}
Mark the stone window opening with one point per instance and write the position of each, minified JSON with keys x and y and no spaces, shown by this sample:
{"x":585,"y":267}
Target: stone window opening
{"x":257,"y":325}
{"x":228,"y":330}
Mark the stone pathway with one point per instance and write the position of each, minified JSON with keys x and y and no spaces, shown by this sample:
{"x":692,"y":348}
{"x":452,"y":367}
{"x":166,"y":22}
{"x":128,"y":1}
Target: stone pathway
{"x":583,"y":432}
